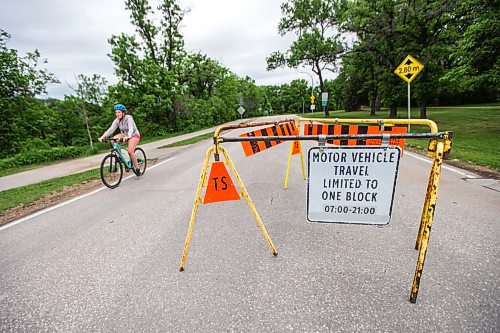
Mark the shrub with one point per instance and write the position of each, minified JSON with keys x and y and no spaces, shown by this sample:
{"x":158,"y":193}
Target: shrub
{"x":37,"y":156}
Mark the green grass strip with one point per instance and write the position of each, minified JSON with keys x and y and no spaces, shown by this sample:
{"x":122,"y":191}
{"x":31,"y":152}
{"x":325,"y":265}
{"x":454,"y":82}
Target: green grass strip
{"x":29,"y":193}
{"x":189,"y":141}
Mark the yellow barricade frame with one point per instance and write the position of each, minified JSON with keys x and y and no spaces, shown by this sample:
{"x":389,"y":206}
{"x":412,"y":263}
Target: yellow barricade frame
{"x":436,"y":149}
{"x":215,"y":149}
{"x":381,"y":122}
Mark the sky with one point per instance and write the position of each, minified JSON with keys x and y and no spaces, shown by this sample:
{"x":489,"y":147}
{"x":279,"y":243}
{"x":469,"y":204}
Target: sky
{"x":73,"y":36}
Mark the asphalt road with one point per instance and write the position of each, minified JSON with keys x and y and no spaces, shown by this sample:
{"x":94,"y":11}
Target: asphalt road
{"x":109,"y":261}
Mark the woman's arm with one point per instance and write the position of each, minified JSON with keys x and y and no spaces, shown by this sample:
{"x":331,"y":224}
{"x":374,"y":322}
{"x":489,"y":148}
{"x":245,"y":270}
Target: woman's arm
{"x":110,"y":130}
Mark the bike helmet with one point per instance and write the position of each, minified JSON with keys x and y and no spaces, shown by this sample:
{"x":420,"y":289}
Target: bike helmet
{"x":120,"y":107}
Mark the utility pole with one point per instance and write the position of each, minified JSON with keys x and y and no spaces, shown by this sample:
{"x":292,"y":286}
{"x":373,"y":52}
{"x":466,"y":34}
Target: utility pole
{"x":312,"y":91}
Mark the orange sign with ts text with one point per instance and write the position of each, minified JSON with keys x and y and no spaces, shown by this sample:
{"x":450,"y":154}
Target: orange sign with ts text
{"x":220,"y":185}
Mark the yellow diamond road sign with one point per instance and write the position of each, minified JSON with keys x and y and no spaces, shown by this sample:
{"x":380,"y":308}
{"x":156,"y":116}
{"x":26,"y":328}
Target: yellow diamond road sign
{"x":409,"y":69}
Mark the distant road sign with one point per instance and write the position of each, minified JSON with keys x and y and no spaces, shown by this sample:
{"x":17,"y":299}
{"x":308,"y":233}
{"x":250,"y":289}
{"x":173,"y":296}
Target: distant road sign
{"x":241,"y":110}
{"x":324,"y":96}
{"x":409,"y":69}
{"x":352,"y":184}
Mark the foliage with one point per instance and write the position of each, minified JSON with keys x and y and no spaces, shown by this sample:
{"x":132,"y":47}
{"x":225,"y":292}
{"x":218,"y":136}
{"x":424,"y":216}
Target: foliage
{"x":474,"y":57}
{"x":38,"y":156}
{"x":169,"y":90}
{"x":21,"y":80}
{"x":318,"y":44}
{"x":147,"y":62}
{"x":89,"y":97}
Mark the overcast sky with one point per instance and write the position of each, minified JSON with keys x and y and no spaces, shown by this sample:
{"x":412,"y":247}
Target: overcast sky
{"x":73,"y":35}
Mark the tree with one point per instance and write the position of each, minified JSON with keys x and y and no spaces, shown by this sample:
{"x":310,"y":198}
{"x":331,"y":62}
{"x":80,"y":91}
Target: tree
{"x":377,"y":25}
{"x":90,"y":92}
{"x":475,"y":66}
{"x":318,"y":44}
{"x":148,"y":62}
{"x":21,"y":81}
{"x":429,"y":22}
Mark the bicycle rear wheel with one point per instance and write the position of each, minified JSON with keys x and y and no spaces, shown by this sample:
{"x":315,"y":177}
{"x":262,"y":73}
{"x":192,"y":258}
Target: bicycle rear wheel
{"x":111,"y":171}
{"x":141,"y":159}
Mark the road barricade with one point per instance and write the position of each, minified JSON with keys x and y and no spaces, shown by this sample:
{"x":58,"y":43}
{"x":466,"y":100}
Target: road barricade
{"x":220,"y":186}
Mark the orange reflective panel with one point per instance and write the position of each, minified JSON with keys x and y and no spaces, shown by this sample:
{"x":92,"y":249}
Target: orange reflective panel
{"x":220,"y":185}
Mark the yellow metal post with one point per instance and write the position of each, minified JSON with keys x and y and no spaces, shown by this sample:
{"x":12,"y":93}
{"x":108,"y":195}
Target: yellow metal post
{"x":285,"y":186}
{"x":197,"y":201}
{"x":425,"y":210}
{"x":288,"y":165}
{"x":249,"y":201}
{"x":424,"y":241}
{"x":302,"y":161}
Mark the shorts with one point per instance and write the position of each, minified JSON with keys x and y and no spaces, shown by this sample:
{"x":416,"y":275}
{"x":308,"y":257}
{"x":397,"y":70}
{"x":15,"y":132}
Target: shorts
{"x":138,"y":136}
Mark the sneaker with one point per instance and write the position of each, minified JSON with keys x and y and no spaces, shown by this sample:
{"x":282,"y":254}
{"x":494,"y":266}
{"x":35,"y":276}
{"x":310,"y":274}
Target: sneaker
{"x":137,"y":172}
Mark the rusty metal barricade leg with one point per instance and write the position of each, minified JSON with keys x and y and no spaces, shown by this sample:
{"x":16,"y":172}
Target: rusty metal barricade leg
{"x":249,"y":202}
{"x":436,"y":172}
{"x":425,"y":210}
{"x":197,"y":201}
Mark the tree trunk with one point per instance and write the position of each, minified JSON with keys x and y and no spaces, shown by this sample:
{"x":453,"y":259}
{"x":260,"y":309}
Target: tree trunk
{"x":423,"y":110}
{"x":375,"y":104}
{"x":394,"y":111}
{"x":86,"y":119}
{"x":372,"y":108}
{"x":90,"y":135}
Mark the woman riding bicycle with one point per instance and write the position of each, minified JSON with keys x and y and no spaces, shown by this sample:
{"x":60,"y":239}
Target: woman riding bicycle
{"x":129,"y":133}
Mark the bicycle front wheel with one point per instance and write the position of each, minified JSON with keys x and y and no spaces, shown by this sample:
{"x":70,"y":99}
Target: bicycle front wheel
{"x":141,"y":159}
{"x":111,"y":171}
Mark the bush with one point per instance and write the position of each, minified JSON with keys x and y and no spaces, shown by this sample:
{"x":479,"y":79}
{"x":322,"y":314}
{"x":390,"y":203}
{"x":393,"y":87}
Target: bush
{"x":38,"y":156}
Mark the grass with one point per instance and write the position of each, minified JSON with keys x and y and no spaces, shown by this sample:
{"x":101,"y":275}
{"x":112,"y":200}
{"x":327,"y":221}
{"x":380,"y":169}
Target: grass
{"x":30,"y":193}
{"x":189,"y":141}
{"x":476,"y":130}
{"x":100,"y":148}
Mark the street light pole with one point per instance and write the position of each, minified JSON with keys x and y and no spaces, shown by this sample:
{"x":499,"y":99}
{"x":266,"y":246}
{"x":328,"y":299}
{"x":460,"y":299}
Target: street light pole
{"x":312,"y":88}
{"x":312,"y":82}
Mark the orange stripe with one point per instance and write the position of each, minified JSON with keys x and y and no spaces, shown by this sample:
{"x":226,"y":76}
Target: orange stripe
{"x":373,"y":142}
{"x":353,"y":130}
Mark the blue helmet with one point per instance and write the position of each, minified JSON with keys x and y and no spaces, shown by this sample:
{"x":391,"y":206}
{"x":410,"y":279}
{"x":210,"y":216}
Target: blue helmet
{"x":120,"y":107}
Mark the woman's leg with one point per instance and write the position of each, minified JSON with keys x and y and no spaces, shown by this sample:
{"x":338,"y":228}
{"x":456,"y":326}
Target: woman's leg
{"x":132,"y":144}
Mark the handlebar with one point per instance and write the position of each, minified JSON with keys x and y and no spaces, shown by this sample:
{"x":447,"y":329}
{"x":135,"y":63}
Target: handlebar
{"x":112,"y":139}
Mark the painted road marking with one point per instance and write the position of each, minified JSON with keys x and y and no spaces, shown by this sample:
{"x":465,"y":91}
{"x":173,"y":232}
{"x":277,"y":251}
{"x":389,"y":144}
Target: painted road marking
{"x":464,"y":174}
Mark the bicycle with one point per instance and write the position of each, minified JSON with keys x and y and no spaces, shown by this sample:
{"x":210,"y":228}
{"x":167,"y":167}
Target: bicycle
{"x":112,"y":164}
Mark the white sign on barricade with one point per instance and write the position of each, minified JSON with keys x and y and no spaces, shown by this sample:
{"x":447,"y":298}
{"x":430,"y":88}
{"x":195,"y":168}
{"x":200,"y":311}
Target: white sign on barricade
{"x":352,"y":184}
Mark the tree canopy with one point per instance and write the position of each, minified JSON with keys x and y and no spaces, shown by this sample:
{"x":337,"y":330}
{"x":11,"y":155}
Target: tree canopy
{"x":168,"y":89}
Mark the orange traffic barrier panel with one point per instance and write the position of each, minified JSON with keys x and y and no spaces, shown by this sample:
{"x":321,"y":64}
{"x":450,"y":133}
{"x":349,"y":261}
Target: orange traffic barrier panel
{"x":220,"y":185}
{"x":253,"y":147}
{"x":296,"y":147}
{"x":326,"y":129}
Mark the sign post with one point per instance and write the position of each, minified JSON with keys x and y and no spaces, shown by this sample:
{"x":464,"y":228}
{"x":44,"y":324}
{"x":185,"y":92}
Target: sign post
{"x":324,"y":100}
{"x":313,"y":106}
{"x":352,"y":184}
{"x":241,"y":110}
{"x":408,"y":70}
